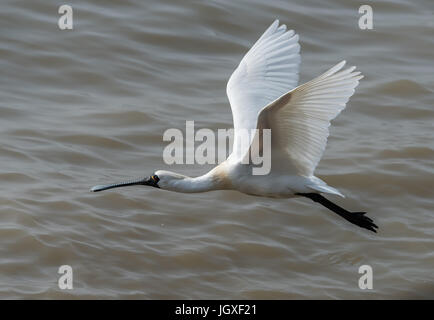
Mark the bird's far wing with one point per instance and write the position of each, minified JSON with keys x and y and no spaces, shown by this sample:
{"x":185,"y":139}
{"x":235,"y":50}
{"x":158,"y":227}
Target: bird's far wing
{"x":300,"y":119}
{"x":268,"y":70}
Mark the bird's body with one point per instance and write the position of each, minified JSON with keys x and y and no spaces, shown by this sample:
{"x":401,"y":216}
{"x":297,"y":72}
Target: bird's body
{"x":237,"y":176}
{"x":263,"y":94}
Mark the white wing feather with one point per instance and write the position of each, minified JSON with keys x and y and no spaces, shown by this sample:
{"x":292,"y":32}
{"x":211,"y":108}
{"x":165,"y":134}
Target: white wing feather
{"x":268,"y":70}
{"x":299,"y":120}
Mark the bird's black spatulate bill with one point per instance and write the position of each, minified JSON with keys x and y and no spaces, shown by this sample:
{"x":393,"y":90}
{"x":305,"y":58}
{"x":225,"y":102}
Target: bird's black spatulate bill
{"x":357,"y":218}
{"x":117,"y":185}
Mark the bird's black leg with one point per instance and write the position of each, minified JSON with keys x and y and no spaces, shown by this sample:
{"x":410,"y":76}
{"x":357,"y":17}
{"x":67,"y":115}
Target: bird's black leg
{"x":357,"y":218}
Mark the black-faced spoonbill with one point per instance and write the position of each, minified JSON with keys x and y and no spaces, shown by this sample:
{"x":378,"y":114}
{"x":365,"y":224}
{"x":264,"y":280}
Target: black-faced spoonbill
{"x":263,"y":94}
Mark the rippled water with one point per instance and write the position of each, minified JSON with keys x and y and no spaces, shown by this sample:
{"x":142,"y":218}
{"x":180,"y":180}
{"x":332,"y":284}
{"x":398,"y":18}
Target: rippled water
{"x":90,"y":105}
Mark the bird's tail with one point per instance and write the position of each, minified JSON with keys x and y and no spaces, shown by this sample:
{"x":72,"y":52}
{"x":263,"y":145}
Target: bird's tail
{"x":321,"y":186}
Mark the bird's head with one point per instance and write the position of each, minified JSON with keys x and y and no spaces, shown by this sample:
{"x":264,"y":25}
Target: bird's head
{"x":160,"y":179}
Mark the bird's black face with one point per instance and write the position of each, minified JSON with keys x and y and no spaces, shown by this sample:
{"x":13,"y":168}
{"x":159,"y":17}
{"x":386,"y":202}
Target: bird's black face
{"x":152,"y":181}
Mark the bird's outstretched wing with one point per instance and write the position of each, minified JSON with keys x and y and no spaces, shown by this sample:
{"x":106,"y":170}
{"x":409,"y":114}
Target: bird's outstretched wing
{"x":299,"y":120}
{"x":268,"y":70}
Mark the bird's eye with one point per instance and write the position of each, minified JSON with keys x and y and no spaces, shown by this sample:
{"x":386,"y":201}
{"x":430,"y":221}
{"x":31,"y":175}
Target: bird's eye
{"x":155,"y":178}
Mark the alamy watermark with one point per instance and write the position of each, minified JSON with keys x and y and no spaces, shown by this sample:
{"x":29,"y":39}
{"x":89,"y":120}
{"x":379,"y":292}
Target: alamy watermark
{"x":66,"y":21}
{"x":66,"y":279}
{"x":251,"y":147}
{"x":366,"y":281}
{"x":366,"y":21}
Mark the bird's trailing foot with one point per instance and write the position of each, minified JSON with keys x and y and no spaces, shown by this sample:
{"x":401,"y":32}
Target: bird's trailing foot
{"x":358,"y":218}
{"x":361,"y":220}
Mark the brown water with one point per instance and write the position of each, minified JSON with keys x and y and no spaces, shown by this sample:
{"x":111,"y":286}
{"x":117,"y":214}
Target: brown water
{"x":89,"y":106}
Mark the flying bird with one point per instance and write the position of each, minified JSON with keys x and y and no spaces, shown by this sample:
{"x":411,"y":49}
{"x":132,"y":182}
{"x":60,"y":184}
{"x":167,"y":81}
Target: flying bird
{"x":263,"y":94}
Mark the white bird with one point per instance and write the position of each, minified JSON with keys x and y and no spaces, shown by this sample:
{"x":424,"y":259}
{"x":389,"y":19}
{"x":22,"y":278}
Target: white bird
{"x":263,"y":94}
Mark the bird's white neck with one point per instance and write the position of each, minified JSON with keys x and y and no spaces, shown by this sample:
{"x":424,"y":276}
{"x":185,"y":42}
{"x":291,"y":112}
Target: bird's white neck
{"x":198,"y":184}
{"x":213,"y":180}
